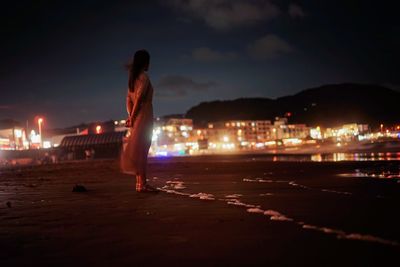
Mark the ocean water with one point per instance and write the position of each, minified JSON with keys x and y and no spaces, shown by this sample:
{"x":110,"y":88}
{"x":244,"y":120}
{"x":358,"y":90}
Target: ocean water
{"x":331,"y":157}
{"x":256,"y":205}
{"x":355,"y":205}
{"x":328,"y":157}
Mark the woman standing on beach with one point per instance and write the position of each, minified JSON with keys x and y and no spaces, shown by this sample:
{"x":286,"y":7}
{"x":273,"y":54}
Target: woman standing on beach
{"x":140,"y":121}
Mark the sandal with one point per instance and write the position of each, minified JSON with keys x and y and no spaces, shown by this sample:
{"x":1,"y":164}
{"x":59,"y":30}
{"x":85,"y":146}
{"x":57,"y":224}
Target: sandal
{"x":147,"y":189}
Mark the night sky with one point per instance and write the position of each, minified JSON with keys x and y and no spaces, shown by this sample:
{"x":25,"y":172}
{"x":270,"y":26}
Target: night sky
{"x":65,"y":59}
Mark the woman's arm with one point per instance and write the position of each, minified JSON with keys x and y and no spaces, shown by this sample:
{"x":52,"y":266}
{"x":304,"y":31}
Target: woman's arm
{"x":140,"y":95}
{"x":129,"y":104}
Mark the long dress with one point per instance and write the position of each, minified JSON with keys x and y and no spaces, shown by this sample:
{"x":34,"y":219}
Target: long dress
{"x":135,"y":151}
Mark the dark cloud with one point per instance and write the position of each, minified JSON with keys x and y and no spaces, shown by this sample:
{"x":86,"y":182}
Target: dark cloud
{"x":227,"y":14}
{"x":268,"y":47}
{"x":179,"y":85}
{"x":296,"y":11}
{"x":205,"y":54}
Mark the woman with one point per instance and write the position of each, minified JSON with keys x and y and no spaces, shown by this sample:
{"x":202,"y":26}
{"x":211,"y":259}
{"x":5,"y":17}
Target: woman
{"x":140,"y":121}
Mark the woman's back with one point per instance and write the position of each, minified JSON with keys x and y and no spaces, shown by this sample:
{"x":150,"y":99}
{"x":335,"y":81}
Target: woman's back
{"x":140,"y":112}
{"x":142,"y":94}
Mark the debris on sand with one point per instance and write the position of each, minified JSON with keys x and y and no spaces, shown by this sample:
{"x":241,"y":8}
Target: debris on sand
{"x":79,"y":188}
{"x":8,"y":204}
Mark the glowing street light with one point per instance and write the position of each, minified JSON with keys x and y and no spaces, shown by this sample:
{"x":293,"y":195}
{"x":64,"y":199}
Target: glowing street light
{"x":40,"y":122}
{"x":98,"y":129}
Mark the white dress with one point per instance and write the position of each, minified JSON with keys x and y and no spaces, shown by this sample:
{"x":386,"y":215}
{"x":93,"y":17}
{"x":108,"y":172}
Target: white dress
{"x":134,"y":154}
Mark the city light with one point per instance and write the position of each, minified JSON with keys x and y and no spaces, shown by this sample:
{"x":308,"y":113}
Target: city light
{"x":46,"y":144}
{"x":178,"y":136}
{"x":40,"y":122}
{"x":18,"y":133}
{"x":98,"y":129}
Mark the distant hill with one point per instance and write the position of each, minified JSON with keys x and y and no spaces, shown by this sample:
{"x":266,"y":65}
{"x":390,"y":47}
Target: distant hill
{"x":328,"y":105}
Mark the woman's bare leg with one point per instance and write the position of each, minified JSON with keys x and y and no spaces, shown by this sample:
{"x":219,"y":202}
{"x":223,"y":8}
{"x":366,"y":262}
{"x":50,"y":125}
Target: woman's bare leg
{"x":142,"y":186}
{"x":140,"y":182}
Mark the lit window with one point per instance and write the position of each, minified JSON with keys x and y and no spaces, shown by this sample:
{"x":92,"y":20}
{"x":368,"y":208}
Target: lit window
{"x":18,"y":133}
{"x":46,"y":144}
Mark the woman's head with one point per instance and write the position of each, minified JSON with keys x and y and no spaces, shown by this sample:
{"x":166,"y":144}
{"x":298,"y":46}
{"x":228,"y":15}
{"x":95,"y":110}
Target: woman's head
{"x":141,"y":62}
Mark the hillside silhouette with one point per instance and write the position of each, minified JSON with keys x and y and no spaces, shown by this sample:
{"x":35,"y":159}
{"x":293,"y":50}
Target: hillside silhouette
{"x":328,"y":105}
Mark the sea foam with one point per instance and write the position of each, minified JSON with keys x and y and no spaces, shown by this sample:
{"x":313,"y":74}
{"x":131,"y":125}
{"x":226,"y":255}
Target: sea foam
{"x":203,"y":196}
{"x":340,"y":234}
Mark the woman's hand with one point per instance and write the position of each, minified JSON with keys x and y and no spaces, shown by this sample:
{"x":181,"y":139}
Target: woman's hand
{"x":130,"y":121}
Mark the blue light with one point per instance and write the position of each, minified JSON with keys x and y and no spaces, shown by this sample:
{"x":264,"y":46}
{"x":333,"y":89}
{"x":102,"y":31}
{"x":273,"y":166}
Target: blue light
{"x":161,"y":154}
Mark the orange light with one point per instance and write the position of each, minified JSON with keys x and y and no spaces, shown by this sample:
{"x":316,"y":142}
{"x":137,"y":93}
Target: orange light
{"x":98,"y":129}
{"x":40,"y":122}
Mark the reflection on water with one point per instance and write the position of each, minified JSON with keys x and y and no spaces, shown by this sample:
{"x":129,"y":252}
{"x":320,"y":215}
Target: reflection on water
{"x":376,"y":174}
{"x":356,"y":157}
{"x":332,"y":157}
{"x":382,"y":171}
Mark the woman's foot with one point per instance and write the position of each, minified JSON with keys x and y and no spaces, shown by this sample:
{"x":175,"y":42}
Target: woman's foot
{"x":147,"y":189}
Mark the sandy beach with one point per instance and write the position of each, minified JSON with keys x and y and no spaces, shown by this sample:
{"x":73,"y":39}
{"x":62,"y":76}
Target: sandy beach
{"x":212,"y":211}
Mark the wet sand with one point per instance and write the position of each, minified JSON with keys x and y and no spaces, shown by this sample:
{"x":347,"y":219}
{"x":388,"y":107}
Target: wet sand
{"x":214,"y":211}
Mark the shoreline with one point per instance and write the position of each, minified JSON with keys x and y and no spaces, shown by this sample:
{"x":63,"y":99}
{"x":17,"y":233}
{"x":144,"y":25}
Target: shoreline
{"x":217,"y":212}
{"x":268,"y":157}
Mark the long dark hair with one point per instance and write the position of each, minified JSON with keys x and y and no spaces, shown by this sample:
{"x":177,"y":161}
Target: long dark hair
{"x":140,"y":61}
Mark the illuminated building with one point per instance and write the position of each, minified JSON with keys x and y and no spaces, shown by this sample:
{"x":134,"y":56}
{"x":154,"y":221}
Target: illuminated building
{"x":256,"y":134}
{"x":283,"y":130}
{"x":238,"y":133}
{"x":12,"y":136}
{"x":346,"y":132}
{"x":316,"y":133}
{"x":211,"y":138}
{"x":251,"y":131}
{"x":172,"y":136}
{"x":174,"y":130}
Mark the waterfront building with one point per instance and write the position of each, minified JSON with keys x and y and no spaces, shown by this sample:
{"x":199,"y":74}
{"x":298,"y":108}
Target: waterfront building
{"x":12,"y":136}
